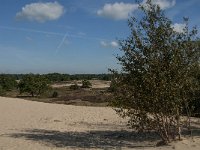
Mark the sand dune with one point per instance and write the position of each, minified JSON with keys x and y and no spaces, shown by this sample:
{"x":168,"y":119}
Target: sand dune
{"x":28,"y":125}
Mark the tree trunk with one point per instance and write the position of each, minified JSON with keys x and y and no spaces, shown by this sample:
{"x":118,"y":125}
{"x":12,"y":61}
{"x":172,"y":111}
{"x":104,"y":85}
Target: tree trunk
{"x":32,"y":94}
{"x":178,"y":125}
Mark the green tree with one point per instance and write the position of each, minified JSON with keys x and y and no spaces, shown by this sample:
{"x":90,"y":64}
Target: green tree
{"x":33,"y":84}
{"x":195,"y":104}
{"x":157,"y":78}
{"x":86,"y":84}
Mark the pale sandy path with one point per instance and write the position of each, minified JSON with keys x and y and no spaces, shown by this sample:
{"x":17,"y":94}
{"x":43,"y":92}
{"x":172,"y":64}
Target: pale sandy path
{"x":96,"y":84}
{"x":27,"y":125}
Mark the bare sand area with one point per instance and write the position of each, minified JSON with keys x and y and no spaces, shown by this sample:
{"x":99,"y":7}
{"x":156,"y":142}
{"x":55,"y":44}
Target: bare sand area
{"x":28,"y":125}
{"x":96,"y":84}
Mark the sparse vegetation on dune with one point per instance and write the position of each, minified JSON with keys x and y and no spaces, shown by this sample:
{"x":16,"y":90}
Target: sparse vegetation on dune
{"x":74,"y":92}
{"x":149,"y":99}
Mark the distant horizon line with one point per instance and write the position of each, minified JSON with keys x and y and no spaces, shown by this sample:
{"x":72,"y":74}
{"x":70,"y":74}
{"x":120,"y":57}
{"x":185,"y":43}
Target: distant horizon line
{"x":56,"y":73}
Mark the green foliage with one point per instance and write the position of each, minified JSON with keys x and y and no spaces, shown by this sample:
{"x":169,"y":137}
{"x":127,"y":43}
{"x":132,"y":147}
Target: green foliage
{"x":86,"y":84}
{"x":56,"y":77}
{"x":195,"y":103}
{"x":113,"y":86}
{"x":157,"y":79}
{"x":7,"y":82}
{"x":2,"y":91}
{"x":195,"y":112}
{"x":74,"y":87}
{"x":33,"y":84}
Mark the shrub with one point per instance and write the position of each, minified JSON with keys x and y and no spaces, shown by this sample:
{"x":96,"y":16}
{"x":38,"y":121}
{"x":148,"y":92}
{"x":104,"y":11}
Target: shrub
{"x":33,"y":84}
{"x":74,"y":87}
{"x":86,"y":84}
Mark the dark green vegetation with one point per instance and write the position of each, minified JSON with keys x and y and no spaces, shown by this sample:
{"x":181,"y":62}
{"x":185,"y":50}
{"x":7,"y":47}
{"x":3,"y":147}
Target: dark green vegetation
{"x":159,"y":81}
{"x":57,"y":77}
{"x":7,"y":83}
{"x":44,"y":88}
{"x":86,"y":84}
{"x":33,"y":84}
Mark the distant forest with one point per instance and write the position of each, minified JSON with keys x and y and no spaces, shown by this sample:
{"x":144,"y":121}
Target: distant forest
{"x":57,"y":77}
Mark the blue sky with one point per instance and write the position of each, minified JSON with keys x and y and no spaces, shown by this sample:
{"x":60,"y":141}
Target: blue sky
{"x":73,"y":36}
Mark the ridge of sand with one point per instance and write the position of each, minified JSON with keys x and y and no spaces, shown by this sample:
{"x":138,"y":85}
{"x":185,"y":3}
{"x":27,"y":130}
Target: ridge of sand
{"x":28,"y":125}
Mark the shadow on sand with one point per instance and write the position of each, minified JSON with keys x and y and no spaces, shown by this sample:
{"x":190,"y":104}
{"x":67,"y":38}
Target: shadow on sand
{"x":95,"y":139}
{"x":92,"y":139}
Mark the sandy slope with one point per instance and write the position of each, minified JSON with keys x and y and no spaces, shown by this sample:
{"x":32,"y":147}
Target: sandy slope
{"x":27,"y":125}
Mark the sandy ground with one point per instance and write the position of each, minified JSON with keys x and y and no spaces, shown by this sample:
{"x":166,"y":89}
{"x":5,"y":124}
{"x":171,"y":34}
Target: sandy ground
{"x":95,"y":84}
{"x":28,"y":125}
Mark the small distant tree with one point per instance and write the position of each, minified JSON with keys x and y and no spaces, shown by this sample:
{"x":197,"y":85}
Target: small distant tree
{"x":86,"y":84}
{"x":33,"y":84}
{"x":157,"y":78}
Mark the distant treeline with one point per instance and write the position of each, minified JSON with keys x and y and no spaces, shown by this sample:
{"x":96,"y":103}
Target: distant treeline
{"x":57,"y":77}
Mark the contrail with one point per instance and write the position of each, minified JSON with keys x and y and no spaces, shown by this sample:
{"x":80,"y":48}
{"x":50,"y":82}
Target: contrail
{"x":31,"y":30}
{"x":61,"y":42}
{"x":51,"y":33}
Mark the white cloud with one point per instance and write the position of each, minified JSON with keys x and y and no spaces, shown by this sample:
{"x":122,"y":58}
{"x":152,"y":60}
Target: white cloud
{"x":120,"y":11}
{"x":164,"y":4}
{"x":117,"y":11}
{"x":112,"y":44}
{"x":178,"y":27}
{"x":41,"y":12}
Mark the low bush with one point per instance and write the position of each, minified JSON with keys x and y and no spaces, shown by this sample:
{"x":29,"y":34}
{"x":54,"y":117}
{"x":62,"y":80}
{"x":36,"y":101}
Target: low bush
{"x":86,"y":84}
{"x":33,"y":84}
{"x":74,"y":87}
